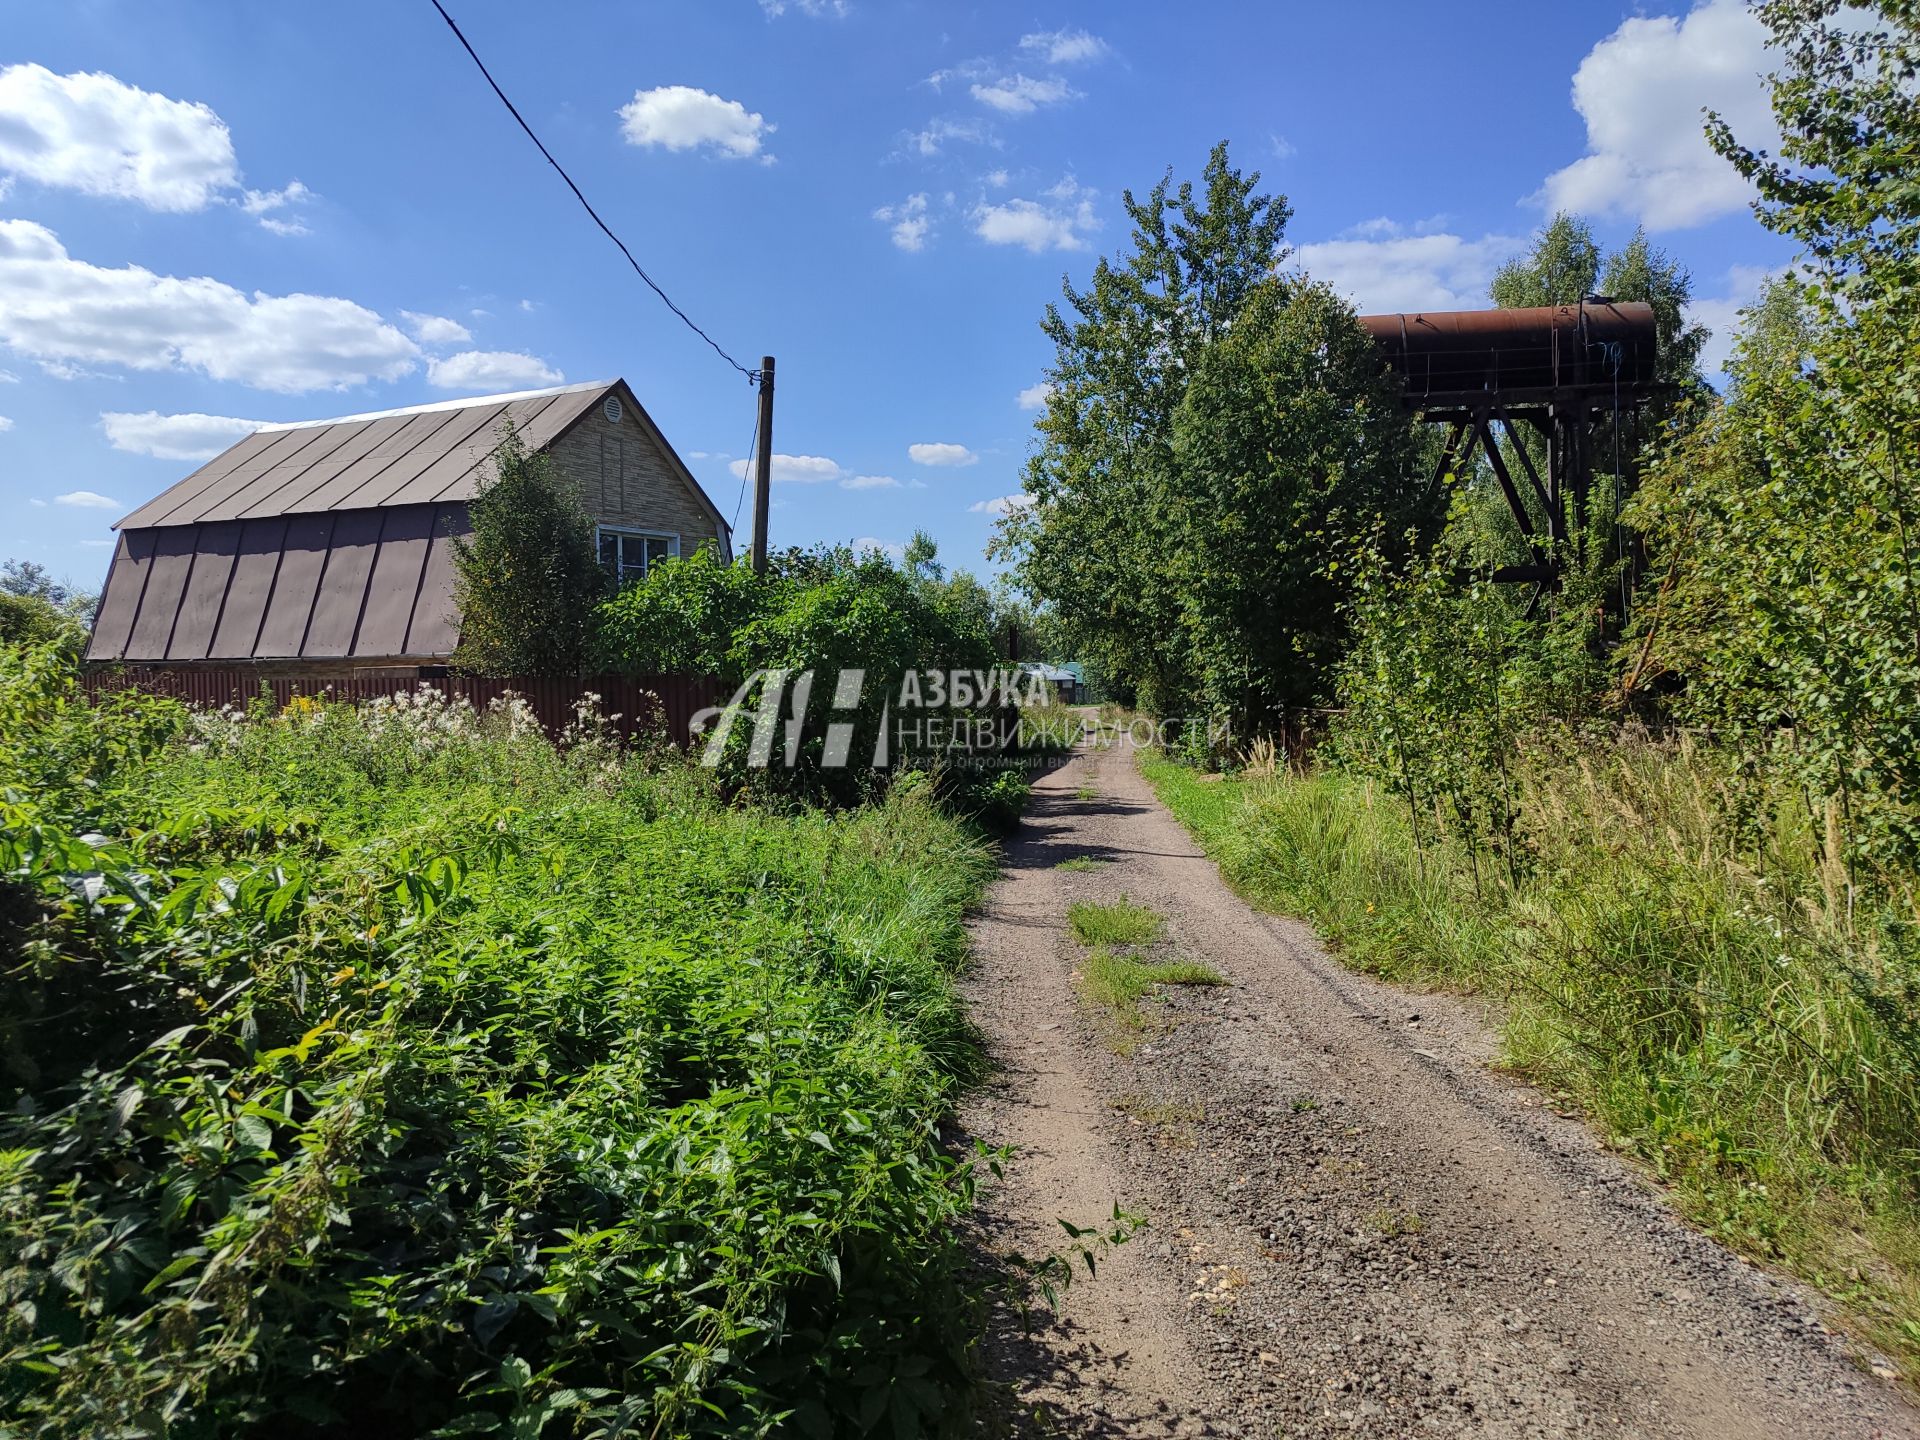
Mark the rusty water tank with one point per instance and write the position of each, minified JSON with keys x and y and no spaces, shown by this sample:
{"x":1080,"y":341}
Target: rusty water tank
{"x":1552,"y":347}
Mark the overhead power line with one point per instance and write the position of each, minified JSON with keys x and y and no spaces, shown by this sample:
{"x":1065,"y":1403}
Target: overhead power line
{"x":685,"y":319}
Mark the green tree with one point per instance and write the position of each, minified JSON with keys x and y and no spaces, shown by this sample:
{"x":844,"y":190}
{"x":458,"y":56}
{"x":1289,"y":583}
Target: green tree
{"x":527,"y":580}
{"x":1290,"y":436}
{"x":1783,"y":596}
{"x":1097,"y":541}
{"x":31,"y":581}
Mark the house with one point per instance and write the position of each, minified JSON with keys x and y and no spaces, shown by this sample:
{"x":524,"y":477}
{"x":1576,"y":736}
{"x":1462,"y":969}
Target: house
{"x":328,"y":543}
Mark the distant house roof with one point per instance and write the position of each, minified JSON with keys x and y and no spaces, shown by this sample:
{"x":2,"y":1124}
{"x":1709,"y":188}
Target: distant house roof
{"x":329,"y":539}
{"x":421,"y":455}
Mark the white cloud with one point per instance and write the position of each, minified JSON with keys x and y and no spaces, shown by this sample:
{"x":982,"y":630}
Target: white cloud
{"x":837,"y":9}
{"x":262,"y":203}
{"x":1034,"y":397}
{"x":1641,"y":91}
{"x":796,"y":469}
{"x":679,"y":117}
{"x":6,"y":423}
{"x":87,"y":500}
{"x":1721,"y":313}
{"x":1022,"y":95}
{"x":7,"y":377}
{"x":892,"y":549}
{"x":66,"y":313}
{"x":940,"y":132}
{"x":483,"y":370}
{"x":97,"y":135}
{"x":1061,"y":224}
{"x":941,"y":454}
{"x":869,"y":482}
{"x":1409,"y":272}
{"x":1000,"y":505}
{"x":910,"y":221}
{"x":995,"y":179}
{"x":1282,"y":148}
{"x":435,"y":329}
{"x":1064,"y":47}
{"x":174,"y":437}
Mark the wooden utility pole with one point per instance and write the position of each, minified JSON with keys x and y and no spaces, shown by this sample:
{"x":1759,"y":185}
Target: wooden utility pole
{"x":763,"y":467}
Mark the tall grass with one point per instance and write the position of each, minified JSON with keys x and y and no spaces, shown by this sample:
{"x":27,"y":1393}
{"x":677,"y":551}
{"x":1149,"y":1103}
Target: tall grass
{"x":395,"y":1068}
{"x":1683,"y":966}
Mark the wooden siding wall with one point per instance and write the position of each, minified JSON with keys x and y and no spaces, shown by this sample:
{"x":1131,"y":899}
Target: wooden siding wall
{"x":677,"y":697}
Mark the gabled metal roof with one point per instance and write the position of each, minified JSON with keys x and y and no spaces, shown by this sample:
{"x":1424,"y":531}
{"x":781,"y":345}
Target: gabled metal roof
{"x":425,"y":454}
{"x":367,"y":583}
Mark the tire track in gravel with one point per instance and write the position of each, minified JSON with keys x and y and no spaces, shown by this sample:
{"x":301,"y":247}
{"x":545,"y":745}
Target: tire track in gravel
{"x":1356,"y":1227}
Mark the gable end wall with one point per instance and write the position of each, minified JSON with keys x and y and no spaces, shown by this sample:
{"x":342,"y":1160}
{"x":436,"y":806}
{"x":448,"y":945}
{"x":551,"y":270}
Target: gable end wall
{"x":625,"y":480}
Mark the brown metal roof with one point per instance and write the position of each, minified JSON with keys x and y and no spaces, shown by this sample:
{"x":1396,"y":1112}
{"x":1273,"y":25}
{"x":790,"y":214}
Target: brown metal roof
{"x":429,"y":454}
{"x":369,"y":582}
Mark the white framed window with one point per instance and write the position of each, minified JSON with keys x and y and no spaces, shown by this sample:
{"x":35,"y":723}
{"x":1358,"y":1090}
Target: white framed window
{"x":627,"y":554}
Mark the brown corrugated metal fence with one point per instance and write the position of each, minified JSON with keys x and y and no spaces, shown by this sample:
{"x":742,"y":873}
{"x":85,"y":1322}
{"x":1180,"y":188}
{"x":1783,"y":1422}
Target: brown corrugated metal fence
{"x":633,"y":699}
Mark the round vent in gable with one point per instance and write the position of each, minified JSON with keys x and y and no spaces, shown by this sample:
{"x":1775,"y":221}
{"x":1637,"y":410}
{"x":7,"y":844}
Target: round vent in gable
{"x":612,"y":409}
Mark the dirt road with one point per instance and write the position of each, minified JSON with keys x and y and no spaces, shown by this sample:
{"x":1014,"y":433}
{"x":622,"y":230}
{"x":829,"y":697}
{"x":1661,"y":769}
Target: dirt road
{"x":1355,"y":1227}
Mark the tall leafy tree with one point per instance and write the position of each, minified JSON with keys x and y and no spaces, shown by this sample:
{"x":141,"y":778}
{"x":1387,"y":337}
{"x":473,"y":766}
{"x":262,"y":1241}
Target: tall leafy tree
{"x":527,"y":580}
{"x":1098,"y":540}
{"x":1788,"y":529}
{"x":1290,"y":436}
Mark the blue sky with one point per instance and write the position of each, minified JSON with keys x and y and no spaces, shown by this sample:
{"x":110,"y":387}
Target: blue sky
{"x":214,"y":212}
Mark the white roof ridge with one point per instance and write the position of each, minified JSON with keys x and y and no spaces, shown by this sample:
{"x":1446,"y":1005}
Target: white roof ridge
{"x":433,"y":405}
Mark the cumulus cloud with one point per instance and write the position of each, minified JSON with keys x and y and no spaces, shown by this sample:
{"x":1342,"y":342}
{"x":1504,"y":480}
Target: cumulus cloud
{"x":1034,"y":397}
{"x":1641,"y":91}
{"x":1000,"y":505}
{"x":87,"y":500}
{"x":94,"y":134}
{"x":1409,"y":272}
{"x":679,"y":117}
{"x":435,"y":329}
{"x":869,"y":482}
{"x":909,"y":221}
{"x":1022,"y":95}
{"x":65,"y":313}
{"x":98,"y":135}
{"x":892,"y":549}
{"x":482,"y":370}
{"x":941,"y":454}
{"x":795,"y":469}
{"x":1064,"y":47}
{"x":174,"y":437}
{"x":1062,"y":222}
{"x":6,"y":423}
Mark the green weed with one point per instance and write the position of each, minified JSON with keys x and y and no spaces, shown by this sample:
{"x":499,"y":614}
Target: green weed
{"x":1115,"y":982}
{"x":1121,"y":923}
{"x":1081,"y":864}
{"x":393,"y":1067}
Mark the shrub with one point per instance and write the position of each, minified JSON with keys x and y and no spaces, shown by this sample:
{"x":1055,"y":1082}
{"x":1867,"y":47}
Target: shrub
{"x":527,"y":580}
{"x":391,"y":1067}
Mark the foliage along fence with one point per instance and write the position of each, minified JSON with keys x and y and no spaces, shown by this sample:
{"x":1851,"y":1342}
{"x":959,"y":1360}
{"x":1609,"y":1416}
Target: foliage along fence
{"x":647,"y":701}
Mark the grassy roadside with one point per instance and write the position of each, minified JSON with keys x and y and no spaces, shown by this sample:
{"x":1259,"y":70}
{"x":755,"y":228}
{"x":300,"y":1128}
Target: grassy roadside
{"x":1716,"y":1024}
{"x":394,"y":1067}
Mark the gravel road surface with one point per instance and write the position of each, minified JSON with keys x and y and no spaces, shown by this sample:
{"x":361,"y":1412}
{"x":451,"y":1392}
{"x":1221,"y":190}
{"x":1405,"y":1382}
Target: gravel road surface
{"x":1355,"y":1226}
